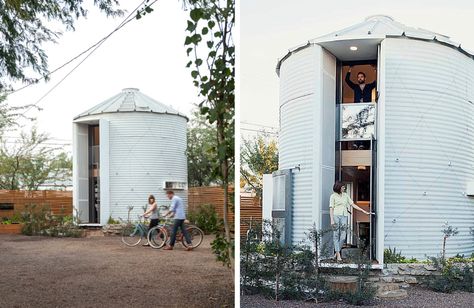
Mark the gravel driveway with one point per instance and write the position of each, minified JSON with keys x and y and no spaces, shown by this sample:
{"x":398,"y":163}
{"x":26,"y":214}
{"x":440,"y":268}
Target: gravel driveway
{"x":102,"y":272}
{"x":417,"y":297}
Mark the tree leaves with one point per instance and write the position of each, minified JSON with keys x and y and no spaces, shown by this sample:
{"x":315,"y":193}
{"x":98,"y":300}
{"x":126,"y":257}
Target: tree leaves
{"x":26,"y":25}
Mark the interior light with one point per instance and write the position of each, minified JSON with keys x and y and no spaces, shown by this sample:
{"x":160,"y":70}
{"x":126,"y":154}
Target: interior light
{"x":353,"y":48}
{"x":361,"y":168}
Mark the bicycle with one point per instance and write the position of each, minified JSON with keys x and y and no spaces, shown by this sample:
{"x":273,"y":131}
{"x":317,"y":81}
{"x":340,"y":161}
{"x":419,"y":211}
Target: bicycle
{"x":162,"y":234}
{"x":133,"y":233}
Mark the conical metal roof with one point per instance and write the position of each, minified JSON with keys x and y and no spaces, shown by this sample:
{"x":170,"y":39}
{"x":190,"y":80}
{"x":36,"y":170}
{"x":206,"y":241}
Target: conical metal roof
{"x":381,"y":26}
{"x":129,"y":100}
{"x":374,"y":29}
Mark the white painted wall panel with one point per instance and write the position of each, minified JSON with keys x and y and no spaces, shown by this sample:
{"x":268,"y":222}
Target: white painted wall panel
{"x":307,"y":124}
{"x":80,"y":171}
{"x":299,"y":76}
{"x":429,"y":146}
{"x":104,"y":176}
{"x":145,"y":149}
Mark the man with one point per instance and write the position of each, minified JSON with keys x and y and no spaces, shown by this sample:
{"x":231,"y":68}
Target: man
{"x":362,"y":91}
{"x":177,"y":210}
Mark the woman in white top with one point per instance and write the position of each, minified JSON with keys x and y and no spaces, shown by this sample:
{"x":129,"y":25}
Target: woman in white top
{"x":152,"y":213}
{"x":339,"y":209}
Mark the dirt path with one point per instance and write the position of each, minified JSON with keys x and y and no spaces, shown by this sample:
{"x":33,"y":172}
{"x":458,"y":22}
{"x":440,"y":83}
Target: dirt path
{"x":417,"y":297}
{"x":102,"y":272}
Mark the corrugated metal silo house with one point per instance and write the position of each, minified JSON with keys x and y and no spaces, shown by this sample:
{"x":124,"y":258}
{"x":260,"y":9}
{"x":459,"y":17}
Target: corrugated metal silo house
{"x":406,"y":154}
{"x":124,"y":149}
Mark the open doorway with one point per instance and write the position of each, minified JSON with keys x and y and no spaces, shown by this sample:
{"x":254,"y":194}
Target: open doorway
{"x":94,"y":171}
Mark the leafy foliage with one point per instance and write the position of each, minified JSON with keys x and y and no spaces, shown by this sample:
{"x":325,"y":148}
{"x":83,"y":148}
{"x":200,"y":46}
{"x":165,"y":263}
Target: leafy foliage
{"x":454,"y":276}
{"x":292,"y":272}
{"x":40,"y":221}
{"x":201,"y":151}
{"x":223,"y":249}
{"x":29,"y":163}
{"x":27,"y":25}
{"x":211,"y":48}
{"x":392,"y":256}
{"x":448,"y":232}
{"x":205,"y":217}
{"x":258,"y":156}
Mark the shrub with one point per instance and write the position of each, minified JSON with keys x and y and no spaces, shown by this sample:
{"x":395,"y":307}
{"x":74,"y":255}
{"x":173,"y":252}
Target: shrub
{"x":40,"y":221}
{"x":112,"y":221}
{"x":205,"y":217}
{"x":392,"y":256}
{"x":454,"y":277}
{"x":281,"y":271}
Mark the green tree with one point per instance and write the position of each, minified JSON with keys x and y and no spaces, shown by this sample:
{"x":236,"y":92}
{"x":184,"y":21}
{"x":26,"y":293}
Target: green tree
{"x":26,"y":25}
{"x":211,"y":48}
{"x":29,"y":162}
{"x":202,"y":143}
{"x":258,"y":156}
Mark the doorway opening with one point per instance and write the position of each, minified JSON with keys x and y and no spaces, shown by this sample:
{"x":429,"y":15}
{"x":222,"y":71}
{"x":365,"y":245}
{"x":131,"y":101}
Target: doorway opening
{"x":356,"y":148}
{"x":94,"y":174}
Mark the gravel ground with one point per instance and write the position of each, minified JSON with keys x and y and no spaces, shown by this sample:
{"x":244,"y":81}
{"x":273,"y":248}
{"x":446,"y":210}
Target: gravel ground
{"x":417,"y":297}
{"x":102,"y":272}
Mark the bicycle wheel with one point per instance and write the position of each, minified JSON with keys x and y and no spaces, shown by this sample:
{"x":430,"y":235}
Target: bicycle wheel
{"x":131,"y":236}
{"x":157,"y":237}
{"x":196,"y":234}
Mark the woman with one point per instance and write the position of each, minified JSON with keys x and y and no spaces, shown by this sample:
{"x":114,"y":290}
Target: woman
{"x":152,"y":213}
{"x":339,"y":204}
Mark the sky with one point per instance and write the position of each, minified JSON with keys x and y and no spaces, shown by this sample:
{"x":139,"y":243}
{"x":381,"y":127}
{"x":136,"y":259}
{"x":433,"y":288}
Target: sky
{"x":148,"y":54}
{"x":268,"y":28}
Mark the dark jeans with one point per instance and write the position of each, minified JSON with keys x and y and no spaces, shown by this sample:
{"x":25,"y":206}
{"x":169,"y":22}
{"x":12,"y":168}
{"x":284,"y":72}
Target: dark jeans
{"x":153,"y":222}
{"x":179,"y":223}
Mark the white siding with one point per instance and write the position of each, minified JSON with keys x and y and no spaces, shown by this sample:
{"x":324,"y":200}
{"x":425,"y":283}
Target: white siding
{"x":145,"y":149}
{"x":307,"y":132}
{"x":104,"y":171}
{"x":80,"y":171}
{"x":429,"y":146}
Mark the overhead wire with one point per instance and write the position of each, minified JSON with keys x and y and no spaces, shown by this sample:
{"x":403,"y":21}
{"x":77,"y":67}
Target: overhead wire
{"x":92,"y":49}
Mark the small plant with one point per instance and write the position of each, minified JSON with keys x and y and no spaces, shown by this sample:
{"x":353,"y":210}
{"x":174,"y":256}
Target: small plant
{"x":112,"y":221}
{"x":392,"y":256}
{"x":448,"y":231}
{"x":220,"y":247}
{"x":206,"y":218}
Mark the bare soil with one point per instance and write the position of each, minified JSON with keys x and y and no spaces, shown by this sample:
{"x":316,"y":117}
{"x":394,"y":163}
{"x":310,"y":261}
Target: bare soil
{"x":417,"y":297}
{"x":102,"y":272}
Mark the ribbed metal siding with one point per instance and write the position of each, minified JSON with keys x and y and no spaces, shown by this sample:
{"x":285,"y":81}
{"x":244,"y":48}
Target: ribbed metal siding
{"x":145,"y":150}
{"x":429,"y":147}
{"x":298,"y":79}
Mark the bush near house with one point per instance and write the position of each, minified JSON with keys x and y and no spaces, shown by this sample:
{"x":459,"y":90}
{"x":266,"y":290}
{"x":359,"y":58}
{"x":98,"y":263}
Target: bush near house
{"x":457,"y":274}
{"x":40,"y":221}
{"x":206,"y":218}
{"x":292,"y":272}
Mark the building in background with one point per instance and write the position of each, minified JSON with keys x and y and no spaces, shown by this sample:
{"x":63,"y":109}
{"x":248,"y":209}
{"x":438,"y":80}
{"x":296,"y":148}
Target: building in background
{"x":124,"y":149}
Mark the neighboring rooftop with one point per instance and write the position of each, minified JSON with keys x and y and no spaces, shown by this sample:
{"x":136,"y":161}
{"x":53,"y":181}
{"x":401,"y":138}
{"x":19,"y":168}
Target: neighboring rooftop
{"x":130,"y":100}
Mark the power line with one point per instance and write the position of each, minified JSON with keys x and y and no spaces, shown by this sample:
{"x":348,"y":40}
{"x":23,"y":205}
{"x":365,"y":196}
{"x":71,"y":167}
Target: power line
{"x":259,"y":125}
{"x":94,"y":48}
{"x":259,"y":131}
{"x":77,"y":56}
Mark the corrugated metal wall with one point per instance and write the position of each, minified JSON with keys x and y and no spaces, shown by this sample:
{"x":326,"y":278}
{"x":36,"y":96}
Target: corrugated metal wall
{"x":299,"y":76}
{"x":307,"y":132}
{"x":146,"y":149}
{"x":429,"y":146}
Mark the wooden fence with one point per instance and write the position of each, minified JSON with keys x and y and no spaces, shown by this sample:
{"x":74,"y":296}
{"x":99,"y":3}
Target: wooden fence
{"x":250,"y":212}
{"x":60,"y":202}
{"x":211,"y":195}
